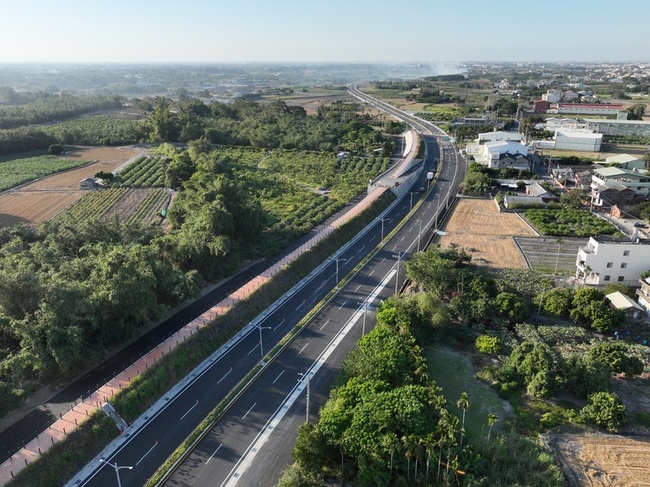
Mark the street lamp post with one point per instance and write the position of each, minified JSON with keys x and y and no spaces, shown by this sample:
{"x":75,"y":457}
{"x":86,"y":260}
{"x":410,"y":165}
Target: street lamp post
{"x":117,"y":469}
{"x":419,"y":233}
{"x":260,"y":328}
{"x":365,"y":314}
{"x":337,"y":269}
{"x":382,"y":226}
{"x":308,"y":376}
{"x":399,"y":256}
{"x":411,"y":193}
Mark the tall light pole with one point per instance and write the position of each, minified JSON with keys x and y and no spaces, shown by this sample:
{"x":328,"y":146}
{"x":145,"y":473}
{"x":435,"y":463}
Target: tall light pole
{"x":411,"y":193}
{"x":117,"y":469}
{"x":260,"y":328}
{"x":399,"y":256}
{"x":337,"y":269}
{"x":308,"y":376}
{"x":419,"y":233}
{"x":437,"y":211}
{"x":382,"y":226}
{"x":365,"y":314}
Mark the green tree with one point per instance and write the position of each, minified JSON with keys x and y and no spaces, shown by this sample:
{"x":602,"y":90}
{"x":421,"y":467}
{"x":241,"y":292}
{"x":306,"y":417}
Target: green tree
{"x":557,"y":301}
{"x":618,"y":357}
{"x":606,"y":410}
{"x":512,"y":307}
{"x":437,"y":270}
{"x":534,"y":365}
{"x":463,"y":403}
{"x":582,"y":298}
{"x":585,"y":375}
{"x":636,"y":111}
{"x":574,"y":198}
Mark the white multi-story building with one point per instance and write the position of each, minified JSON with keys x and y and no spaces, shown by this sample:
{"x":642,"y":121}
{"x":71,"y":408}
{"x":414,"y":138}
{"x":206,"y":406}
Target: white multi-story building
{"x":622,"y":179}
{"x":552,"y":96}
{"x":504,"y":153}
{"x":608,"y":259}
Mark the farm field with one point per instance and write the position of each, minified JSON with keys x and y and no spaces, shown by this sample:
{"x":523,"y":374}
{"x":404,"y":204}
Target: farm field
{"x":125,"y":204}
{"x":477,"y":224}
{"x":544,"y":253}
{"x":603,"y":460}
{"x":41,"y":200}
{"x":24,"y":168}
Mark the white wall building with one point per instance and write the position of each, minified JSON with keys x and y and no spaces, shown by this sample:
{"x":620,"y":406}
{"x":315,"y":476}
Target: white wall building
{"x":497,"y":136}
{"x":587,"y":109}
{"x":577,"y":140}
{"x":493,"y":151}
{"x":554,"y":123}
{"x":606,"y":259}
{"x":552,"y":96}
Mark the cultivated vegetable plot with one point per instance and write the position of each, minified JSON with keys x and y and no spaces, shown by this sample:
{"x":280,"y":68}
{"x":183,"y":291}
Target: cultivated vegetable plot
{"x":151,"y":206}
{"x":18,"y":170}
{"x":125,"y":204}
{"x":94,"y":204}
{"x":145,"y":171}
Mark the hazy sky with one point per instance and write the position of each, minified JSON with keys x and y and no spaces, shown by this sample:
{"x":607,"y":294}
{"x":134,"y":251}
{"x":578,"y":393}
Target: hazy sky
{"x":323,"y":30}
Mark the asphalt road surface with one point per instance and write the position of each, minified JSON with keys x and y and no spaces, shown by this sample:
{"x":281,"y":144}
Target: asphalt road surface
{"x":146,"y":447}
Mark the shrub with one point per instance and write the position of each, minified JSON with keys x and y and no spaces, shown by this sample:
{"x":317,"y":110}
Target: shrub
{"x":606,"y":410}
{"x":487,"y":344}
{"x":617,"y":356}
{"x":55,"y":149}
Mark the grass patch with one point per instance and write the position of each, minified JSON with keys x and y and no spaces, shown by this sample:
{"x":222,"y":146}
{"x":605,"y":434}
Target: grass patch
{"x":454,"y":372}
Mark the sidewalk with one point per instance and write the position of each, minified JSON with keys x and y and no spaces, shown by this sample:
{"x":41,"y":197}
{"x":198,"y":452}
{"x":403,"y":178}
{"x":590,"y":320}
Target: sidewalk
{"x":80,"y":412}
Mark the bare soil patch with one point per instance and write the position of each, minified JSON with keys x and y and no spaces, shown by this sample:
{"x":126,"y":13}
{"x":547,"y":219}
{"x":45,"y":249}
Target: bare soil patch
{"x":41,"y":200}
{"x":108,"y":159}
{"x":603,"y":460}
{"x":477,"y":224}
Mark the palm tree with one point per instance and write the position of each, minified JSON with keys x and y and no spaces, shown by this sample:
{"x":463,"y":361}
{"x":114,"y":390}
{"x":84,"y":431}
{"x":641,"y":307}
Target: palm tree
{"x":463,"y":403}
{"x":409,"y":445}
{"x":492,"y":418}
{"x":429,"y":446}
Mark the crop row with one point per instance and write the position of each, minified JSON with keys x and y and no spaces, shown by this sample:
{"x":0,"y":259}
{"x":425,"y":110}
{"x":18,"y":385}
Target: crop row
{"x":309,"y":214}
{"x":94,"y":204}
{"x":16,"y":170}
{"x":150,"y":207}
{"x":148,"y":171}
{"x":369,"y":165}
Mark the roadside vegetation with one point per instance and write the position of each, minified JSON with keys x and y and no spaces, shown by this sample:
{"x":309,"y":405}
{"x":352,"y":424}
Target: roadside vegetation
{"x":60,"y":463}
{"x":488,"y":317}
{"x":98,"y":274}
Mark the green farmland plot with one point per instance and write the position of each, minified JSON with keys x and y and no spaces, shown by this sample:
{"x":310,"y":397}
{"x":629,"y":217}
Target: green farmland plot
{"x":19,"y":169}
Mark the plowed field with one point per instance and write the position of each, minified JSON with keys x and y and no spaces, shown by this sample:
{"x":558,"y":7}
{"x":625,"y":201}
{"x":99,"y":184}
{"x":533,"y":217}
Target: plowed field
{"x":41,"y":200}
{"x":604,"y":460}
{"x":477,"y":224}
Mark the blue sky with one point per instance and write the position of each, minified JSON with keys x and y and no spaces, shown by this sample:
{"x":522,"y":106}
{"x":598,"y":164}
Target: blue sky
{"x":323,"y":31}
